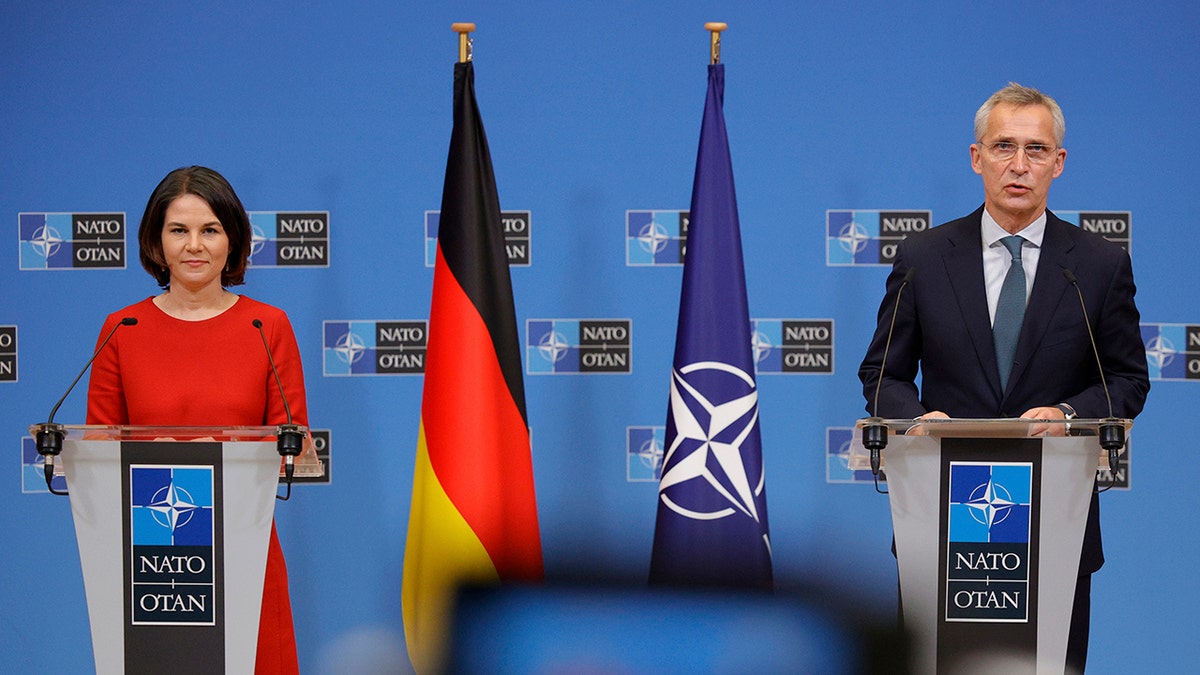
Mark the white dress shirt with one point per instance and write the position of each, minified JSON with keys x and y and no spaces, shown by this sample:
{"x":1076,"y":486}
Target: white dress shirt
{"x":996,"y":259}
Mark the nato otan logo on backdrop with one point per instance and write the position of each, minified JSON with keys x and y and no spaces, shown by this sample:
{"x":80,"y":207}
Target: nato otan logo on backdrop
{"x":289,"y":238}
{"x":655,"y":238}
{"x":172,"y":531}
{"x":644,"y":449}
{"x":1115,"y":226}
{"x":1172,"y":350}
{"x":857,"y":237}
{"x":517,"y":237}
{"x":792,"y":346}
{"x":8,"y":353}
{"x":837,"y":458}
{"x":33,"y":478}
{"x":987,"y":566}
{"x":321,"y":444}
{"x":374,"y":347}
{"x":578,"y":346}
{"x":58,"y":241}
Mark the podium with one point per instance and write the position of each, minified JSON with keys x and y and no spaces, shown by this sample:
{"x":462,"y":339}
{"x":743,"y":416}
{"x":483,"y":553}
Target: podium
{"x":988,"y":526}
{"x":173,"y":525}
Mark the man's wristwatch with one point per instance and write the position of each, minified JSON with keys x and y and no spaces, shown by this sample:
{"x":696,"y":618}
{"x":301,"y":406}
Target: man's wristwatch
{"x":1068,"y":414}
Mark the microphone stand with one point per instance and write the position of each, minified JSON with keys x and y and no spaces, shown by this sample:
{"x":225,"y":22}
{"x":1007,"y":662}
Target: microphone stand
{"x":49,"y":434}
{"x":289,"y":437}
{"x":1111,"y":428}
{"x":874,"y":431}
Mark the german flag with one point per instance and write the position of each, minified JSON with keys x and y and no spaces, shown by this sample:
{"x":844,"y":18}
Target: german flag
{"x":474,"y":513}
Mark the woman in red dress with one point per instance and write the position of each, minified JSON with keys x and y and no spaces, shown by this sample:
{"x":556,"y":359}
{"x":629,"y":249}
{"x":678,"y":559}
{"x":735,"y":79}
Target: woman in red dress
{"x":195,"y":357}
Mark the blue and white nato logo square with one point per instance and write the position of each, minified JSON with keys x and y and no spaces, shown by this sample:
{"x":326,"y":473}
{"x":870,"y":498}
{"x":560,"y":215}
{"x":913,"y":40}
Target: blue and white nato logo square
{"x":33,"y":476}
{"x":792,"y":346}
{"x":518,"y":238}
{"x":1115,"y":226}
{"x":8,"y":353}
{"x":172,"y":533}
{"x":838,"y":441}
{"x":56,"y":241}
{"x":289,"y":238}
{"x":655,"y":238}
{"x":1172,"y":350}
{"x":865,"y":237}
{"x":990,"y":501}
{"x":374,"y":347}
{"x":578,"y":346}
{"x":988,"y":537}
{"x":644,"y":448}
{"x":171,"y":505}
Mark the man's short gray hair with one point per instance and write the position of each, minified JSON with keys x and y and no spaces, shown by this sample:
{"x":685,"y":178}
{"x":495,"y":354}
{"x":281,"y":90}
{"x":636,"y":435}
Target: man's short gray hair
{"x":1018,"y":95}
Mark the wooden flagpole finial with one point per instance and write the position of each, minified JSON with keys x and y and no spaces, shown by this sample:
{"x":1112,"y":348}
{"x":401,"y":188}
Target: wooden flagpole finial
{"x":464,"y":40}
{"x":715,"y":27}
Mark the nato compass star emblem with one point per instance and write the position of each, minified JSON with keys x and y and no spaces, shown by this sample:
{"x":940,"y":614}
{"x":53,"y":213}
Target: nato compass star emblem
{"x":172,"y":507}
{"x":1160,"y":351}
{"x":553,"y":347}
{"x":853,"y":237}
{"x":651,"y":455}
{"x":653,"y":237}
{"x":350,"y":348}
{"x":707,"y":447}
{"x":46,"y":241}
{"x":761,"y":345}
{"x":258,"y":240}
{"x":990,"y":504}
{"x":843,"y":455}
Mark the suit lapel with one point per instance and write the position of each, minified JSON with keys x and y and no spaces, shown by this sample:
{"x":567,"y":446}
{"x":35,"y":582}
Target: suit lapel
{"x":963,"y":258}
{"x":1049,"y":285}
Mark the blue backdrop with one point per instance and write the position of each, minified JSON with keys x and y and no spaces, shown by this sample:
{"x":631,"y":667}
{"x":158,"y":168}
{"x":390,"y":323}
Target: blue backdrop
{"x":592,"y":110}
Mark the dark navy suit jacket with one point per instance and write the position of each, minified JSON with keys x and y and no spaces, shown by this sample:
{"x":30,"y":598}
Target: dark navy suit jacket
{"x":943,"y":330}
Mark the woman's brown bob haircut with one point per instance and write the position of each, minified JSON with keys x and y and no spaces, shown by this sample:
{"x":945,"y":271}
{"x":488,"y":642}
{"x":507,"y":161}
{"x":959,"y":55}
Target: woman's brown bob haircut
{"x":220,"y":197}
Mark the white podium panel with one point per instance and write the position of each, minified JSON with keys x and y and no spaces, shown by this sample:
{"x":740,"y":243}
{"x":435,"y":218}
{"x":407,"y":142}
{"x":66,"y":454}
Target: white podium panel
{"x":989,"y":525}
{"x":173,"y":527}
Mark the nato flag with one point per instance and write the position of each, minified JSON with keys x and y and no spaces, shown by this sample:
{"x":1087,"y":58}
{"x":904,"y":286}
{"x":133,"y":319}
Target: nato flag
{"x":711,"y":528}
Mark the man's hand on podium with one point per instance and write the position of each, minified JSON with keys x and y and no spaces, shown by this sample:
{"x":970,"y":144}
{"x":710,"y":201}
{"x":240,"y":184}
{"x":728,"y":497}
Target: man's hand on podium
{"x":918,"y":430}
{"x":1046,"y":413}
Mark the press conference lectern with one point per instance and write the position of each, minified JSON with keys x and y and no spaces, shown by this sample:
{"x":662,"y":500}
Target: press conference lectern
{"x":988,"y":525}
{"x":173,"y":525}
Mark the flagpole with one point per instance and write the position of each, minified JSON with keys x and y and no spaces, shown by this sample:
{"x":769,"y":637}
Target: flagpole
{"x":468,"y":527}
{"x":715,"y":27}
{"x":712,"y":527}
{"x":464,"y":40}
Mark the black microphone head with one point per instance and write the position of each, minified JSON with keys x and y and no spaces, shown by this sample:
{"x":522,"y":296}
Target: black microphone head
{"x":912,"y":272}
{"x":129,"y":321}
{"x":1070,"y":276}
{"x":257,"y":323}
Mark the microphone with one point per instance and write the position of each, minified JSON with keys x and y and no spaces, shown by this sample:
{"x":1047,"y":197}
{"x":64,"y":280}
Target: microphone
{"x":50,"y":435}
{"x":875,"y":432}
{"x":289,"y":437}
{"x":1112,"y":429}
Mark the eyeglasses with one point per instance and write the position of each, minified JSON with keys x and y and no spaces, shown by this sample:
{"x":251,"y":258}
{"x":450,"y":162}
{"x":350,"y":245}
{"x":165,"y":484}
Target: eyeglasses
{"x":1037,"y":153}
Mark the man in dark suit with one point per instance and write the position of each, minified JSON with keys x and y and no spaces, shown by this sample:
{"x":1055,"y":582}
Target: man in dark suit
{"x":982,"y":354}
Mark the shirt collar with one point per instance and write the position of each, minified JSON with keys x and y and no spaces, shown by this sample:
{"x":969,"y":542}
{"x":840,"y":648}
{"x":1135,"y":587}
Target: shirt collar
{"x":1032,"y":233}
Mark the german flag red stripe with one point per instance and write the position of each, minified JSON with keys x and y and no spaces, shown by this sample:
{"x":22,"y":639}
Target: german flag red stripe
{"x":474,"y":511}
{"x":476,"y":435}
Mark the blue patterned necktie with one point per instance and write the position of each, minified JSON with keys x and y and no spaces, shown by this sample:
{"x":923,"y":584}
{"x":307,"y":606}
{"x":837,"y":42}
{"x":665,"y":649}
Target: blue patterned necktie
{"x":1010,"y":311}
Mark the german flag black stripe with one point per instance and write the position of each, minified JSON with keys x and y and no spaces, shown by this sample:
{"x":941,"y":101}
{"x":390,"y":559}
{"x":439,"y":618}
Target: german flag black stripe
{"x":470,"y":235}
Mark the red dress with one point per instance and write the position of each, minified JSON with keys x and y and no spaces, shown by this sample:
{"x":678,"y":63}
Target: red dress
{"x":165,"y":371}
